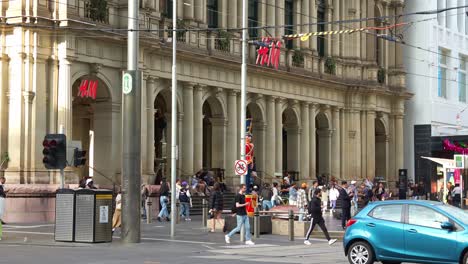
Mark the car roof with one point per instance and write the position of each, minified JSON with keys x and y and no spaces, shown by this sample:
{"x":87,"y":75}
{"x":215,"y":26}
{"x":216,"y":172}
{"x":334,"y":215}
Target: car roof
{"x":420,"y":202}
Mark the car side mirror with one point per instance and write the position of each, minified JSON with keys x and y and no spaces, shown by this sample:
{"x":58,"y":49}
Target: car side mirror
{"x":447,"y":226}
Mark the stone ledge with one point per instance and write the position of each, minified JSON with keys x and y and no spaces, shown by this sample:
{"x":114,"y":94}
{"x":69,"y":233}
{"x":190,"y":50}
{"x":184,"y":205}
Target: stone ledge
{"x":31,"y":190}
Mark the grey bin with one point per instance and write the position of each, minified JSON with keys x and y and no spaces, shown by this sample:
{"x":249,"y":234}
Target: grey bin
{"x":93,"y":216}
{"x":65,"y":215}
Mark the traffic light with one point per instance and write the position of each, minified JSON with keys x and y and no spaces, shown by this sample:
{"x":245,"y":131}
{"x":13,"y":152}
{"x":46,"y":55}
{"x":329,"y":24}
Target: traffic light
{"x":55,"y":155}
{"x":79,"y":157}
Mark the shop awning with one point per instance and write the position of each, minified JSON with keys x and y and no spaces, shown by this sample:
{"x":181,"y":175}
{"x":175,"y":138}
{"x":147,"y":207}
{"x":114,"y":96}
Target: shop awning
{"x":447,"y":163}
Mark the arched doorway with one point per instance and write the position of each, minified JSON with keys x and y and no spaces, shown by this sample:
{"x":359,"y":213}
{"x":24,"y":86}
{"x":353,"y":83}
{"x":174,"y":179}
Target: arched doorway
{"x":92,"y":126}
{"x":291,"y":142}
{"x":323,"y":145}
{"x":380,"y":149}
{"x":214,"y":129}
{"x":160,"y":137}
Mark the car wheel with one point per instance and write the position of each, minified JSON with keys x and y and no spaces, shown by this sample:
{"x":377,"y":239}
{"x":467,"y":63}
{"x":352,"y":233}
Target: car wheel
{"x":465,"y":258}
{"x":360,"y":253}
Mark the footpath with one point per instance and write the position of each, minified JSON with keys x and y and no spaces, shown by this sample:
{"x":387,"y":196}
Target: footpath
{"x":192,"y":244}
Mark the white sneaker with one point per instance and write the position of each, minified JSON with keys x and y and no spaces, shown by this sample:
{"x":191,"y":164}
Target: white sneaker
{"x":227,"y":239}
{"x":331,"y":241}
{"x":249,"y":242}
{"x":307,"y":242}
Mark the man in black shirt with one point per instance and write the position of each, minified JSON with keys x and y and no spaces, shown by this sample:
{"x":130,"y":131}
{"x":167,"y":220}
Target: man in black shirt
{"x":315,"y":210}
{"x":242,"y":218}
{"x":345,"y":203}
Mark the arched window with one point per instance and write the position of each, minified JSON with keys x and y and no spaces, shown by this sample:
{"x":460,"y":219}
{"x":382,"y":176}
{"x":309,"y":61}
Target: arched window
{"x":321,"y":28}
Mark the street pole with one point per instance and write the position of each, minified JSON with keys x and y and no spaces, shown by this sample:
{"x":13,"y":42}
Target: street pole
{"x":131,"y":131}
{"x":174,"y":118}
{"x":243,"y":94}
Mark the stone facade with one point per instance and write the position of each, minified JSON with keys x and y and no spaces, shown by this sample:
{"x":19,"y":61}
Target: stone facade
{"x":306,"y":118}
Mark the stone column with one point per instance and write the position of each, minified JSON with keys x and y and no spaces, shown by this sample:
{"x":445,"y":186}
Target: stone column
{"x":188,"y":130}
{"x":279,"y":134}
{"x":343,"y":135}
{"x":279,"y":17}
{"x":365,"y":159}
{"x":336,"y":150}
{"x":270,"y":168}
{"x":305,"y":141}
{"x":313,"y":28}
{"x":4,"y":103}
{"x":65,"y":98}
{"x":371,"y":158}
{"x":370,"y":39}
{"x":293,"y":148}
{"x":232,"y":21}
{"x":451,"y":15}
{"x":199,"y":10}
{"x":231,"y":135}
{"x":305,"y":20}
{"x":218,"y":150}
{"x":180,"y":9}
{"x":271,"y":17}
{"x":223,"y":15}
{"x":297,"y":21}
{"x":198,"y":128}
{"x":363,"y":24}
{"x":398,"y":143}
{"x":239,"y":13}
{"x":399,"y":47}
{"x":312,"y":141}
{"x":336,"y":38}
{"x":441,"y":17}
{"x":150,"y":88}
{"x":189,"y":10}
{"x":258,"y":131}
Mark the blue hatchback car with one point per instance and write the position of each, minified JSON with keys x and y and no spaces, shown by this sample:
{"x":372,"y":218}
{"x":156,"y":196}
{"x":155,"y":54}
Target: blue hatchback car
{"x":407,"y":231}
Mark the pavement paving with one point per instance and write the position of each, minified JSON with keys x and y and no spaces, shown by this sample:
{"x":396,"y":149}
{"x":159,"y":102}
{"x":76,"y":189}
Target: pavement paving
{"x":192,"y":244}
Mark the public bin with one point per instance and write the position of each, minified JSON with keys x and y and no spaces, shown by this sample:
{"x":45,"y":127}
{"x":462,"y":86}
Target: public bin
{"x":65,"y":215}
{"x":93,"y":215}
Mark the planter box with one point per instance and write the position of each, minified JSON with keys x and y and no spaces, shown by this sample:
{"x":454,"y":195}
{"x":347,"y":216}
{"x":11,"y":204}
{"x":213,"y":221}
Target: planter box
{"x":265,"y":224}
{"x":281,"y":227}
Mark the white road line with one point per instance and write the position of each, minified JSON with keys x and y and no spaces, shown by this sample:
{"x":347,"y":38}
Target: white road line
{"x":178,"y":241}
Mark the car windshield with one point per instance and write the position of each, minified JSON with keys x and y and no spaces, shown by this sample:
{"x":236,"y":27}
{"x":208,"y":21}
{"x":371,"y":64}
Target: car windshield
{"x":456,"y":212}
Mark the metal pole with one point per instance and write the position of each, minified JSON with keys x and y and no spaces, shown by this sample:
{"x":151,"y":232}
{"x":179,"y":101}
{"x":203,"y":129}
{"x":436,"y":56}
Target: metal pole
{"x":243,"y":94}
{"x":174,"y":118}
{"x":256,"y":223}
{"x":204,"y":213}
{"x":131,"y":126}
{"x":62,"y":178}
{"x":291,"y":225}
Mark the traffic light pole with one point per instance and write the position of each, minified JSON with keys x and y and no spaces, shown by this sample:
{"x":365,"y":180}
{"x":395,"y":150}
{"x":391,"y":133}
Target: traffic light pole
{"x":131,"y":134}
{"x":62,"y":177}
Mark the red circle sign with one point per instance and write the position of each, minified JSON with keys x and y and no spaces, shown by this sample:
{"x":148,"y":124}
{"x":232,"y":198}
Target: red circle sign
{"x":240,"y":167}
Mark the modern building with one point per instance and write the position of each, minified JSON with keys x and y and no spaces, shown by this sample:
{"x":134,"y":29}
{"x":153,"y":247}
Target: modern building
{"x":436,"y":61}
{"x":335,"y":105}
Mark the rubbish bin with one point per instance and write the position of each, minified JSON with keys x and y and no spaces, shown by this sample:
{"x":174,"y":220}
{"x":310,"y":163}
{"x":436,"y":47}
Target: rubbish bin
{"x":64,"y":215}
{"x":93,"y":215}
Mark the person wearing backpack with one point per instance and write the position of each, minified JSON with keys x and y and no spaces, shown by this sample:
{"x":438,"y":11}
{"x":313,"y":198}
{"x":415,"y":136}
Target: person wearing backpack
{"x":184,"y":199}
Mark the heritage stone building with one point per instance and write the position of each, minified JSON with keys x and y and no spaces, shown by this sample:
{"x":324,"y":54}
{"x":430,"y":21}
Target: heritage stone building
{"x":334,"y":106}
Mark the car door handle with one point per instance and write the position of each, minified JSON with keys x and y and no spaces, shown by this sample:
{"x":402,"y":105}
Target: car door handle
{"x":371,"y":225}
{"x":412,"y":230}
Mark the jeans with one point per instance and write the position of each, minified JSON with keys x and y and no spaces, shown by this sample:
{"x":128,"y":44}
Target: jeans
{"x":266,"y":205}
{"x":333,"y":204}
{"x":301,"y":214}
{"x":163,"y":201}
{"x":241,"y":220}
{"x":185,"y":210}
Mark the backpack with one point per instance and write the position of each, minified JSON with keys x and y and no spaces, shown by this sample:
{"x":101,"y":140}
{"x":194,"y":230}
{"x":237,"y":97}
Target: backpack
{"x":183,"y":197}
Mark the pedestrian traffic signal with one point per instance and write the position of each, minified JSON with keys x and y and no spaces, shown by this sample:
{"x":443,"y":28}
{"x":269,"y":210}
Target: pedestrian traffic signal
{"x":79,"y":157}
{"x":55,"y":156}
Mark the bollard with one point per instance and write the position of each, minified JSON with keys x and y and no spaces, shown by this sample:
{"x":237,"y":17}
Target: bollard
{"x":256,"y":223}
{"x":204,"y":212}
{"x":177,"y":212}
{"x":149,"y":213}
{"x":291,"y":225}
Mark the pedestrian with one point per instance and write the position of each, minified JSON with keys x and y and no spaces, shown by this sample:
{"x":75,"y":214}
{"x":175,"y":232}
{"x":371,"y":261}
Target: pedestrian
{"x":275,"y":199}
{"x":117,"y":217}
{"x":185,"y":201}
{"x":242,"y":218}
{"x":90,"y":184}
{"x":216,"y":205}
{"x":352,"y":191}
{"x":456,"y":194}
{"x":345,"y":204}
{"x":333,"y":196}
{"x":2,"y":203}
{"x":315,"y":210}
{"x":312,"y":189}
{"x":293,"y":194}
{"x":380,"y":192}
{"x":267,"y":195}
{"x":164,"y":200}
{"x":302,"y":201}
{"x":324,"y":190}
{"x":144,"y":196}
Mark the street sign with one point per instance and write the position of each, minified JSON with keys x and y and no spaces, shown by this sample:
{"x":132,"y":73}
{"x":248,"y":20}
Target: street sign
{"x":459,"y":161}
{"x":127,"y":83}
{"x":240,"y":167}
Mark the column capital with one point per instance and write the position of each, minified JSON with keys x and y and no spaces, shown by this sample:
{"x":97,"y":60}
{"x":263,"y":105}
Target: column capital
{"x":305,"y":104}
{"x":325,"y":132}
{"x":293,"y":102}
{"x":29,"y":96}
{"x":219,"y":121}
{"x":199,"y":87}
{"x":232,"y":92}
{"x":189,"y":85}
{"x":180,"y":116}
{"x":397,"y":115}
{"x":325,"y":107}
{"x":336,"y":108}
{"x":271,"y":98}
{"x":280,"y":99}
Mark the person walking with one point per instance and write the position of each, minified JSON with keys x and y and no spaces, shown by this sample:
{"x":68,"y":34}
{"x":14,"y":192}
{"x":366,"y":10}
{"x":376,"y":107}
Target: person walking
{"x":164,"y":200}
{"x":310,"y":194}
{"x":216,"y":205}
{"x":333,"y":196}
{"x":242,"y":218}
{"x":293,"y":194}
{"x":324,"y":190}
{"x":275,"y":199}
{"x":315,"y":210}
{"x":267,"y":195}
{"x":345,"y":204}
{"x":183,"y":195}
{"x":117,"y":217}
{"x":302,"y":201}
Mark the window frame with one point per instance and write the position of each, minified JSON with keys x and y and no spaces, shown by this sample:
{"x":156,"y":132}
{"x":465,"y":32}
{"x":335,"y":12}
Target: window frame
{"x":252,"y":18}
{"x":321,"y":17}
{"x":462,"y":70}
{"x":442,"y":78}
{"x":402,"y":213}
{"x":428,"y":208}
{"x":289,"y":13}
{"x":212,"y":13}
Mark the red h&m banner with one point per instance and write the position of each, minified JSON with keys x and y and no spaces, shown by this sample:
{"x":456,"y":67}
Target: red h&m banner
{"x":269,"y":52}
{"x":88,"y":88}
